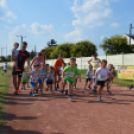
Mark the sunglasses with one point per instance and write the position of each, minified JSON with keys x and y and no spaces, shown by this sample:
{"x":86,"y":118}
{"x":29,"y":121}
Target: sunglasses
{"x":24,"y":46}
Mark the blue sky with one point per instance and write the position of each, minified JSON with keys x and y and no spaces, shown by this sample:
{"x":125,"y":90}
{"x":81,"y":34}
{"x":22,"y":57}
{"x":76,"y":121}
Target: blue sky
{"x":63,"y":20}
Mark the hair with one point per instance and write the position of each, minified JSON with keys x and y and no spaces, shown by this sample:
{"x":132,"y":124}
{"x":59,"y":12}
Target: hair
{"x":72,"y":59}
{"x":75,"y":64}
{"x":68,"y":63}
{"x":104,"y":61}
{"x":47,"y":64}
{"x":95,"y":54}
{"x":42,"y":50}
{"x":16,"y":43}
{"x":24,"y":43}
{"x":110,"y":65}
{"x":51,"y":67}
{"x":36,"y":64}
{"x":113,"y":67}
{"x":39,"y":54}
{"x":91,"y":65}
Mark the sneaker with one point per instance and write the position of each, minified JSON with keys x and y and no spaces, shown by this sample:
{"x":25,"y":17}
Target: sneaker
{"x":33,"y":94}
{"x":94,"y":90}
{"x":58,"y":86}
{"x":37,"y":91}
{"x":55,"y":88}
{"x":62,"y":91}
{"x":16,"y":92}
{"x":70,"y":97}
{"x":84,"y":88}
{"x":89,"y":87}
{"x":51,"y":92}
{"x":108,"y":92}
{"x":30,"y":93}
{"x":66,"y":92}
{"x":46,"y":89}
{"x":130,"y":87}
{"x":99,"y":98}
{"x":17,"y":69}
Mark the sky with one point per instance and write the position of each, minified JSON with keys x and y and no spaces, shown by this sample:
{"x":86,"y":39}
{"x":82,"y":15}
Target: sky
{"x":62,"y":20}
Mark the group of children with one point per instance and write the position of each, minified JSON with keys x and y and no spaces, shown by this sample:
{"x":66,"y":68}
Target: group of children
{"x":68,"y":75}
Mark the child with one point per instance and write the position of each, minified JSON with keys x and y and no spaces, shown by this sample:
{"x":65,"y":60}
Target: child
{"x":70,"y":74}
{"x":34,"y":78}
{"x":57,"y":67}
{"x":89,"y":77}
{"x":49,"y":79}
{"x":101,"y":76}
{"x":4,"y":69}
{"x":42,"y":74}
{"x":15,"y":53}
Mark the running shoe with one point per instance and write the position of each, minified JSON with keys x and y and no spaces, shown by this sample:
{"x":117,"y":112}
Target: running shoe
{"x":55,"y":88}
{"x":51,"y":92}
{"x":37,"y":91}
{"x":33,"y":94}
{"x":94,"y":90}
{"x":17,"y":69}
{"x":66,"y":92}
{"x":58,"y":86}
{"x":70,"y":97}
{"x":99,"y":98}
{"x":130,"y":87}
{"x":89,"y":87}
{"x":30,"y":93}
{"x":62,"y":91}
{"x":16,"y":92}
{"x":108,"y":92}
{"x":84,"y":88}
{"x":46,"y":89}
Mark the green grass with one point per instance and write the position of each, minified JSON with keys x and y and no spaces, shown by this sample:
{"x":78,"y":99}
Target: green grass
{"x":8,"y":68}
{"x":4,"y":87}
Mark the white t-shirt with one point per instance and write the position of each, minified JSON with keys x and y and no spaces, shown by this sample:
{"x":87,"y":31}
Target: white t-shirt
{"x":110,"y":72}
{"x":15,"y":52}
{"x":51,"y":74}
{"x":34,"y":76}
{"x":42,"y":73}
{"x":102,"y":74}
{"x":5,"y":67}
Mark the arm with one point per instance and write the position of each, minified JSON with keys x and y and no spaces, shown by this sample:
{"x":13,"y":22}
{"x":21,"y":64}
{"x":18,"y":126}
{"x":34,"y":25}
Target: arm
{"x":32,"y":62}
{"x":89,"y":62}
{"x":13,"y":58}
{"x":28,"y":62}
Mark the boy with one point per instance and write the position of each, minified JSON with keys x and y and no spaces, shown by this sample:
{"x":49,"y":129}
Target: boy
{"x":49,"y":79}
{"x":57,"y":68}
{"x":70,"y":74}
{"x":15,"y":54}
{"x":4,"y":69}
{"x":101,"y":76}
{"x":89,"y":77}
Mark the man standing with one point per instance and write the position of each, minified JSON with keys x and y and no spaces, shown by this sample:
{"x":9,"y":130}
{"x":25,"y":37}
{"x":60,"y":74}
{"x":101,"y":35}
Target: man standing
{"x":22,"y":57}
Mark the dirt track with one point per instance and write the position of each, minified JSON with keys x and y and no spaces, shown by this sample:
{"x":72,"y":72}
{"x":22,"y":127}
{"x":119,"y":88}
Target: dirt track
{"x":55,"y":114}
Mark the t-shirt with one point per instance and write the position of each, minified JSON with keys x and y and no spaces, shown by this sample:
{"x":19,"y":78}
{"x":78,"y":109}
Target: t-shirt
{"x":51,"y":74}
{"x":25,"y":78}
{"x":15,"y":52}
{"x":5,"y":67}
{"x":22,"y":57}
{"x":71,"y":72}
{"x":42,"y":74}
{"x":110,"y":72}
{"x":90,"y":74}
{"x":58,"y":64}
{"x":102,"y":74}
{"x":34,"y":76}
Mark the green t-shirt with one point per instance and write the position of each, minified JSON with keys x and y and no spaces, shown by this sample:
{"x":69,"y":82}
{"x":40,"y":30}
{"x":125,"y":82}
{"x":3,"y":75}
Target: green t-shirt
{"x":25,"y":78}
{"x":70,"y":73}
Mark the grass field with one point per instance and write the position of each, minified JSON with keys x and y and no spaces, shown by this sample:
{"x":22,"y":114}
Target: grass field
{"x":8,"y":68}
{"x":4,"y":86}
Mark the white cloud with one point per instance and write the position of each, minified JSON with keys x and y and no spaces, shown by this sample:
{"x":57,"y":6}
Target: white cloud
{"x":38,"y":29}
{"x":89,"y":14}
{"x":102,"y":37}
{"x":5,"y":13}
{"x":115,"y":24}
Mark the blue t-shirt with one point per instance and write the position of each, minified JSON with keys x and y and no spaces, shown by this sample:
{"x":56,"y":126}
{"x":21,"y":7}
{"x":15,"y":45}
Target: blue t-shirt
{"x":89,"y":73}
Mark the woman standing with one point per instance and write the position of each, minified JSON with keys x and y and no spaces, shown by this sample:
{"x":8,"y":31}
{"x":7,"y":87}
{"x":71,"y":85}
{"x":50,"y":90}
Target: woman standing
{"x":43,"y":51}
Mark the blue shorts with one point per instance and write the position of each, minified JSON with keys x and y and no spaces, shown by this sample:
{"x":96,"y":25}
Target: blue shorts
{"x":5,"y":71}
{"x":88,"y":79}
{"x":40,"y":81}
{"x":33,"y":84}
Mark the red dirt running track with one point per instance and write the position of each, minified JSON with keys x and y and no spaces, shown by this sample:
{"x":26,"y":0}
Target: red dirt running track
{"x":55,"y":114}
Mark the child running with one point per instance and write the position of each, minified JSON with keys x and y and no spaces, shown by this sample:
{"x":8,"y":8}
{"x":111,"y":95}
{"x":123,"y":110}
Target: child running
{"x":4,"y":69}
{"x":70,"y":74}
{"x":49,"y":79}
{"x":89,"y":77}
{"x":57,"y":68}
{"x":101,"y":76}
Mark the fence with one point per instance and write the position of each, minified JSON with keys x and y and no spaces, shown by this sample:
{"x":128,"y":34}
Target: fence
{"x":82,"y":62}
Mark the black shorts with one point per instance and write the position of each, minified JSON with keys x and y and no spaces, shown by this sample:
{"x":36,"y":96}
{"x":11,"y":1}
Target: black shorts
{"x":49,"y":82}
{"x":101,"y":83}
{"x":23,"y":82}
{"x":5,"y":71}
{"x":57,"y":74}
{"x":19,"y":73}
{"x":88,"y":79}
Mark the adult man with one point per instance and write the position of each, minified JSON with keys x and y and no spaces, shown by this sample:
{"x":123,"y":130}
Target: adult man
{"x":22,"y":57}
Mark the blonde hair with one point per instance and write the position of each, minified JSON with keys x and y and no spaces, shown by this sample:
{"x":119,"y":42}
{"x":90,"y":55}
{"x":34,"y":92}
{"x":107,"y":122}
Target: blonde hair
{"x":16,"y":43}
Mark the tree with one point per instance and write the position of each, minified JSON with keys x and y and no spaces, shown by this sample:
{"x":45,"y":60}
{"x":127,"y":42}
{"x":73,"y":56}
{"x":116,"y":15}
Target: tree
{"x":83,"y":48}
{"x":9,"y":58}
{"x":116,"y":45}
{"x":32,"y":54}
{"x":51,"y":43}
{"x":49,"y":51}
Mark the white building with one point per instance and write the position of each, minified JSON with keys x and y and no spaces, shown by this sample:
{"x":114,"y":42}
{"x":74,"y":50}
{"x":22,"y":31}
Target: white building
{"x":132,"y":38}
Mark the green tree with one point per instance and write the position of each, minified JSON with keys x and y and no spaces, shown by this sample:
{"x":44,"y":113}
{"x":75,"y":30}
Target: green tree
{"x":49,"y":51}
{"x":32,"y":54}
{"x":116,"y":45}
{"x":51,"y":43}
{"x":9,"y":58}
{"x":83,"y":48}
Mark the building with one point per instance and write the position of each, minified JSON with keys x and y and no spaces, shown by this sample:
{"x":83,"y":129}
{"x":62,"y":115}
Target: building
{"x":128,"y":37}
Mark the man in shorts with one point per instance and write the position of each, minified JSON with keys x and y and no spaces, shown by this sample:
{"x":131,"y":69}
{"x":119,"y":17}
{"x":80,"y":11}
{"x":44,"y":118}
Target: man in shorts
{"x":22,"y":57}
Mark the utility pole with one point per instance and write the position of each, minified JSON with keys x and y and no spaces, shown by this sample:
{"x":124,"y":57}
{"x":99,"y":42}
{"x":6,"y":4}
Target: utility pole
{"x":130,"y":33}
{"x":21,"y":37}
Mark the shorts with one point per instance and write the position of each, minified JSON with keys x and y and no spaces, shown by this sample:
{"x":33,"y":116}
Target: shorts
{"x":57,"y":74}
{"x":49,"y":81}
{"x":5,"y":71}
{"x":69,"y":81}
{"x":33,"y":84}
{"x":101,"y":83}
{"x":40,"y":81}
{"x":23,"y":82}
{"x":88,"y":79}
{"x":108,"y":80}
{"x":19,"y":73}
{"x":75,"y":80}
